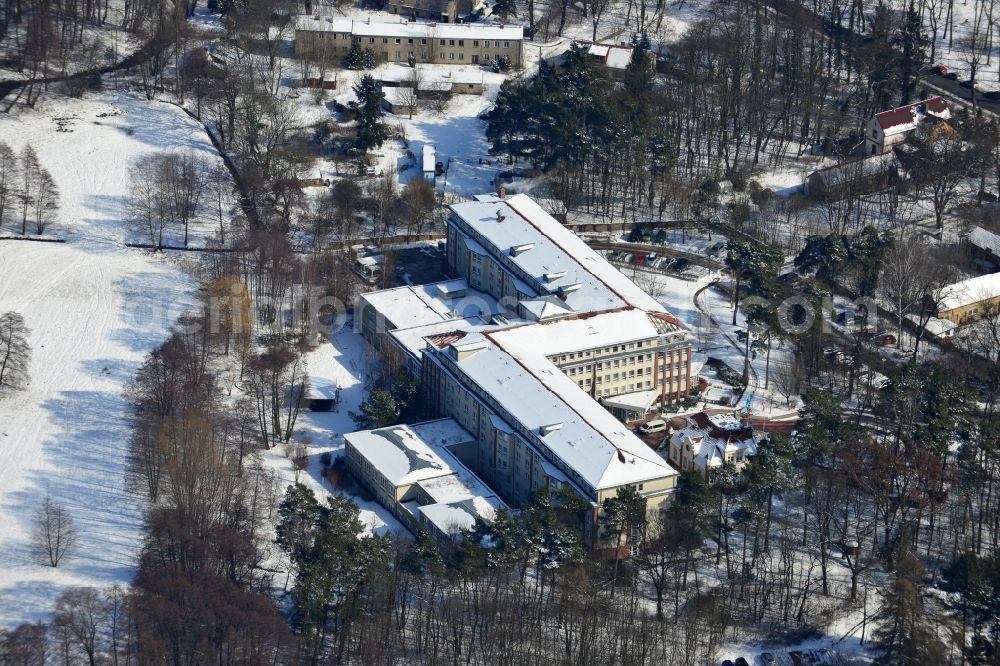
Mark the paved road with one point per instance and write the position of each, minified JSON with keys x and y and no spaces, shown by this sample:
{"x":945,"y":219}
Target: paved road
{"x":954,"y":91}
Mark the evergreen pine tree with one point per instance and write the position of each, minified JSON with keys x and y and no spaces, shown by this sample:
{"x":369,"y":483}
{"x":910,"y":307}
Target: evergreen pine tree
{"x":368,"y":59}
{"x":372,"y":131}
{"x":354,"y":58}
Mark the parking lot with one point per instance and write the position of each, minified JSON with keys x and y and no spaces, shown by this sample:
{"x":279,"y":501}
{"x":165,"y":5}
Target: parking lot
{"x":420,"y":264}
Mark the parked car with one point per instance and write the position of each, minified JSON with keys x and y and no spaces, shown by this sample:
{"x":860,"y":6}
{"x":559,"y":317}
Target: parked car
{"x":635,"y":235}
{"x":951,"y":75}
{"x":728,"y":662}
{"x":974,"y":85}
{"x":680,"y":264}
{"x":884,"y":339}
{"x":940,"y":70}
{"x":767,"y":658}
{"x":639,"y":259}
{"x":741,"y":661}
{"x":992,"y":95}
{"x":647,"y":235}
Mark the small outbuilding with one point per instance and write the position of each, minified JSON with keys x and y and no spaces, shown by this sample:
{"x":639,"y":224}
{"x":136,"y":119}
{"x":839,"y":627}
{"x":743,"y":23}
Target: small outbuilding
{"x":429,"y":160}
{"x":856,"y":177}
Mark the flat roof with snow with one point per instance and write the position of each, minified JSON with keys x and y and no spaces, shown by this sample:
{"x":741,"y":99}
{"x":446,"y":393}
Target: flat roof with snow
{"x":460,"y":515}
{"x":554,"y":258}
{"x":428,"y":158}
{"x":451,"y":300}
{"x":968,"y":292}
{"x":603,"y":329}
{"x":407,"y":454}
{"x":367,"y":28}
{"x":535,"y":393}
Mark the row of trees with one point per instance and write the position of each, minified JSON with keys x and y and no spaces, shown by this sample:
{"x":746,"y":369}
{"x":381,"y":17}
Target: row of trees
{"x":169,"y":190}
{"x":28,"y":192}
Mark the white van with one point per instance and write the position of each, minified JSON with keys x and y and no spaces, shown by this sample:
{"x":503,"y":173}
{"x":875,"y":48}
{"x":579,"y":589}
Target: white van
{"x":656,"y":425}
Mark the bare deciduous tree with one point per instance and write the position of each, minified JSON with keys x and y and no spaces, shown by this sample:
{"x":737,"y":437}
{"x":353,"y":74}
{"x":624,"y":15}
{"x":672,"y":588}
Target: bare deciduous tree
{"x":54,"y":534}
{"x":8,"y":179}
{"x":81,"y":613}
{"x":15,"y":353}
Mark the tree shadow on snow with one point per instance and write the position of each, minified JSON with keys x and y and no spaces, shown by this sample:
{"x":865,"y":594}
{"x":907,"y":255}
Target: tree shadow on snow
{"x":150,"y":306}
{"x":89,"y":456}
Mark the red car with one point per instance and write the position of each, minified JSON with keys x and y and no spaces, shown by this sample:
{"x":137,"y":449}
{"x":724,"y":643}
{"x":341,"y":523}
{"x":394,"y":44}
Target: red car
{"x":940,"y":70}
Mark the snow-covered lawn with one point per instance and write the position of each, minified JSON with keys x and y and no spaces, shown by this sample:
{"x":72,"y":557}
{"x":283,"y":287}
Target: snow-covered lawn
{"x":95,"y":308}
{"x":342,"y":362}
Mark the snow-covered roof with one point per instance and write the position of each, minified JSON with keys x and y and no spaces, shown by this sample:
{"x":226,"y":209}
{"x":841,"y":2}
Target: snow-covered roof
{"x":407,"y":454}
{"x":414,"y":340}
{"x":535,"y":393}
{"x":399,"y":97}
{"x":545,"y":307}
{"x":368,"y":28}
{"x":614,"y":56}
{"x":418,"y":454}
{"x":969,"y":291}
{"x":985,"y":240}
{"x":575,"y":333}
{"x":460,"y":485}
{"x":428,"y":158}
{"x":936,"y":326}
{"x":412,"y":306}
{"x":426,"y":73}
{"x":712,"y":436}
{"x":460,"y":515}
{"x":637,"y":401}
{"x":324,"y":373}
{"x":853,"y":170}
{"x":588,"y":283}
{"x":906,"y":118}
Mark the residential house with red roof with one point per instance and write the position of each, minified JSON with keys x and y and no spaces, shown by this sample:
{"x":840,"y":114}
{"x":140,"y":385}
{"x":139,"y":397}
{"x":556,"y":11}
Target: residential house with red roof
{"x":888,"y":128}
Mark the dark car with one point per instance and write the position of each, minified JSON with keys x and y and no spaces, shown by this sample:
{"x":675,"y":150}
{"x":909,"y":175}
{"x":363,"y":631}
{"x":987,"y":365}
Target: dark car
{"x":768,"y":659}
{"x":635,"y":235}
{"x":951,"y":75}
{"x":740,"y":661}
{"x":680,"y":264}
{"x":728,"y":662}
{"x":992,"y":95}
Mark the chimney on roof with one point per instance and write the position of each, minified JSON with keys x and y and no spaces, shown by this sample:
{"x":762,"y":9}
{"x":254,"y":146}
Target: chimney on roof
{"x":500,"y":216}
{"x":621,"y":456}
{"x":503,"y":192}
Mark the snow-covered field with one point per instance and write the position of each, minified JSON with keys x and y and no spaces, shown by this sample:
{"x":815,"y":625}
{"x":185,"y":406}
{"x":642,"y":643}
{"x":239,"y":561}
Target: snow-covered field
{"x":95,"y":308}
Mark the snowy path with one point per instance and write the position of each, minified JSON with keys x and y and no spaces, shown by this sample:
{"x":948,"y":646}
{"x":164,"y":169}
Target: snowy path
{"x":95,"y":308}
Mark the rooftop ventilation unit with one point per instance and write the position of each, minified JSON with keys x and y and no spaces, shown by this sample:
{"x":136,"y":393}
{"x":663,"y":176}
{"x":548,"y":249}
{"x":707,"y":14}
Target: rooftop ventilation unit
{"x":550,"y":428}
{"x":516,"y":250}
{"x":554,"y":275}
{"x":568,"y":289}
